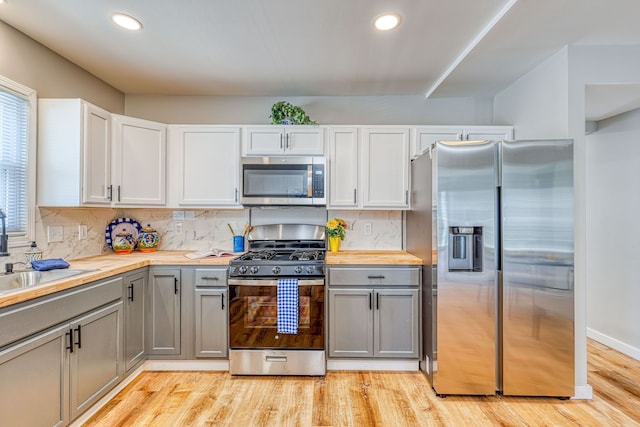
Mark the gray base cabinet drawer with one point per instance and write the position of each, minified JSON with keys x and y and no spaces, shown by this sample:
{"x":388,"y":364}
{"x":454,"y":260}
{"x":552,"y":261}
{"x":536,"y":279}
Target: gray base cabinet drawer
{"x":377,"y":276}
{"x":210,"y":277}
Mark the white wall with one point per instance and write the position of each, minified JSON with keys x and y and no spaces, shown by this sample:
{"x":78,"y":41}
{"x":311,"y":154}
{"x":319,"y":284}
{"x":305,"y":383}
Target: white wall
{"x":589,"y":65}
{"x":613,"y":294}
{"x":536,"y":104}
{"x":338,"y":110}
{"x":27,"y":62}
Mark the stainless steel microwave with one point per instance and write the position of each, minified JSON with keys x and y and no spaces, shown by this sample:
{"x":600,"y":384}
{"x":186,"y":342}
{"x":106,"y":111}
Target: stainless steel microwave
{"x":284,"y":181}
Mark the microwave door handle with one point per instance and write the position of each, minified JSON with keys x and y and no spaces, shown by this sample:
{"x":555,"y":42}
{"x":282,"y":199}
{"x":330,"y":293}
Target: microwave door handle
{"x":309,"y":180}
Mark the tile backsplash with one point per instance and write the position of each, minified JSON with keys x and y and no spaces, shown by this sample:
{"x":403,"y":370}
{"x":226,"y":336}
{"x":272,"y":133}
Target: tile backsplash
{"x":201,"y":229}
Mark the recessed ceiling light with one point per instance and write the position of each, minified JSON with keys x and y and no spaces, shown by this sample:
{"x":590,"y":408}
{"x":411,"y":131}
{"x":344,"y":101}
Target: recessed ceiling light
{"x":126,"y":21}
{"x":386,"y":22}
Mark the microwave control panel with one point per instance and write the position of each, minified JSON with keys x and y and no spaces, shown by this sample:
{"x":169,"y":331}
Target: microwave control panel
{"x":318,"y":181}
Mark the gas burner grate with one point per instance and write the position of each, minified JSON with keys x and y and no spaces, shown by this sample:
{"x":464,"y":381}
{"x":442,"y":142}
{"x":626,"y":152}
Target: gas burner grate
{"x":258,"y":256}
{"x":307,"y":256}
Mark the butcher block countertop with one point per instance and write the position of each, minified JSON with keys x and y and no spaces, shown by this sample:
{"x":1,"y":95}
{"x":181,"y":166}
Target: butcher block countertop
{"x":104,"y":266}
{"x":371,"y":258}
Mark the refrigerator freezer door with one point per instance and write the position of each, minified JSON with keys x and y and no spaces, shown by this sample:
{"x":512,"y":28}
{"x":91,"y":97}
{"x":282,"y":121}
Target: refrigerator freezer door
{"x":466,"y":316}
{"x":537,"y":268}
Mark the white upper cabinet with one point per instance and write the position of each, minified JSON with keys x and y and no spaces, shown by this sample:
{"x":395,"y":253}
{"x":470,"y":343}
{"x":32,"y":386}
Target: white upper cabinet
{"x":493,"y":133}
{"x":74,"y":154}
{"x":343,"y":167}
{"x":278,"y":140}
{"x":385,"y":168}
{"x":139,"y":161}
{"x":424,"y":137}
{"x":205,"y":170}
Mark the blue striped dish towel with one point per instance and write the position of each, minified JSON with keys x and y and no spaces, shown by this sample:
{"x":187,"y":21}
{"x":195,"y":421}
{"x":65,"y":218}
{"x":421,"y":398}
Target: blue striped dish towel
{"x":287,"y":306}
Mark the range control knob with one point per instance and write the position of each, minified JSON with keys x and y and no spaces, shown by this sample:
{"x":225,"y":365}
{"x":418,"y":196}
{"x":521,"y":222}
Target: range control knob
{"x":298,"y":269}
{"x":254,"y":269}
{"x":310,"y":269}
{"x":276,"y":270}
{"x":242,"y":269}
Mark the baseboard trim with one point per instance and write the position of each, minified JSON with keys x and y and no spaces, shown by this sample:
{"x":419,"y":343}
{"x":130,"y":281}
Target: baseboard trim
{"x":186,"y":365}
{"x":372,"y":365}
{"x":614,"y":343}
{"x":583,"y":392}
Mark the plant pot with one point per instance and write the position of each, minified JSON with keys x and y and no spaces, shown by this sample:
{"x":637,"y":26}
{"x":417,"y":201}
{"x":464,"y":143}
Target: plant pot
{"x":334,"y":244}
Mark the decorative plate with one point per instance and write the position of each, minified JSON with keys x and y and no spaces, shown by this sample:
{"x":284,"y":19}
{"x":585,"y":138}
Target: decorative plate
{"x":118,"y":226}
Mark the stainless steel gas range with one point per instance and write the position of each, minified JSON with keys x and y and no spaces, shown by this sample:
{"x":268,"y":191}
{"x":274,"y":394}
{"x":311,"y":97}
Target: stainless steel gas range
{"x":281,"y":259}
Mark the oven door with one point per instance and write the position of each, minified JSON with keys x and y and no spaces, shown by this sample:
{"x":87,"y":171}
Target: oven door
{"x":253,"y":315}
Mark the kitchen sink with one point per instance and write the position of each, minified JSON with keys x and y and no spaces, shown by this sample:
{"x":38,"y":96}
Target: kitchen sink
{"x":25,"y":279}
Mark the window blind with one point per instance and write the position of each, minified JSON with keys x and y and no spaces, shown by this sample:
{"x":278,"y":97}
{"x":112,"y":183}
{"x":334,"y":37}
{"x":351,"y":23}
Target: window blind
{"x":14,"y":144}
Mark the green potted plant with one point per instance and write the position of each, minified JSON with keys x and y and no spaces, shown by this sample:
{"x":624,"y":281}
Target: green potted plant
{"x":283,"y":113}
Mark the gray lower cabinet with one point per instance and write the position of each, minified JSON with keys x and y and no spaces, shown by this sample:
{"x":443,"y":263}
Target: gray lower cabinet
{"x":51,"y":374}
{"x":134,"y":297}
{"x":34,"y":381}
{"x":94,"y":356}
{"x":374,"y":312}
{"x":211,"y":323}
{"x":163,"y":311}
{"x":211,"y":313}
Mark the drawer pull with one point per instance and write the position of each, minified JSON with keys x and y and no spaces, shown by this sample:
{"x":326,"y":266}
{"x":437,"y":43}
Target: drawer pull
{"x":210,"y":278}
{"x":375,"y":277}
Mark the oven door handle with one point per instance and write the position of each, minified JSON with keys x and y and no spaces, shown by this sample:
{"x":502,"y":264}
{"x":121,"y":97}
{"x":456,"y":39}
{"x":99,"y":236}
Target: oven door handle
{"x":267,"y":282}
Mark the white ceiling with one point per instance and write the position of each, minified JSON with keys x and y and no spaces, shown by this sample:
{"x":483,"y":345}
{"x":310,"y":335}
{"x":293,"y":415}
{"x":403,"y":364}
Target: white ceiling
{"x":321,"y":47}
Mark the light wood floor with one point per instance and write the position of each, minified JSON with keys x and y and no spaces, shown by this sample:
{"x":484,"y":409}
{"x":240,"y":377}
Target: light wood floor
{"x":365,"y":399}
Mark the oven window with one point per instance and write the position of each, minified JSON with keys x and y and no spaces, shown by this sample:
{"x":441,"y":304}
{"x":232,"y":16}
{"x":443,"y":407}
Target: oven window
{"x":253,"y":318}
{"x":268,"y":181}
{"x":262,"y":312}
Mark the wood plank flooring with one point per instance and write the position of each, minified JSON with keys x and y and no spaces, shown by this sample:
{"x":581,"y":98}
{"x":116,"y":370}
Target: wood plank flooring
{"x":368,"y":398}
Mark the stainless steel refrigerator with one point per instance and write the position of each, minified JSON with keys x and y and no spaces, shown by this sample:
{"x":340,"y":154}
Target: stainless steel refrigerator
{"x":493,"y":223}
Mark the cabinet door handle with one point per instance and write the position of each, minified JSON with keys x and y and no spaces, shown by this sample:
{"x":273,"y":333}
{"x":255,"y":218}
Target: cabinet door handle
{"x":375,"y":277}
{"x":236,"y":195}
{"x":355,"y":196}
{"x":288,"y":144}
{"x":223,"y":301}
{"x":406,"y":197}
{"x":175,"y":285}
{"x":79,"y":330}
{"x":377,"y":301}
{"x":370,"y":302}
{"x":110,"y":190}
{"x":118,"y":193}
{"x":281,"y":141}
{"x":130,"y":287}
{"x":70,"y":335}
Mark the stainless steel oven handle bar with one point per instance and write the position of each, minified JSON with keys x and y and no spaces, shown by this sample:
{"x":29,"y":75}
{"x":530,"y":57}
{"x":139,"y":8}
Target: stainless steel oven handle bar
{"x":262,"y":282}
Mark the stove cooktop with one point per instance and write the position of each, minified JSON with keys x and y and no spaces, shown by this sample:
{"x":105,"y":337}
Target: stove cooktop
{"x":278,"y":263}
{"x":281,"y":256}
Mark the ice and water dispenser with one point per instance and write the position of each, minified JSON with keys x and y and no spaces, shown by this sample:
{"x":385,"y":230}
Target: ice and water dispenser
{"x":465,"y":249}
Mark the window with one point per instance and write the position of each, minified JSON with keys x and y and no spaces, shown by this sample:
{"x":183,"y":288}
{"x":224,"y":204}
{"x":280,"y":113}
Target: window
{"x":17,"y":149}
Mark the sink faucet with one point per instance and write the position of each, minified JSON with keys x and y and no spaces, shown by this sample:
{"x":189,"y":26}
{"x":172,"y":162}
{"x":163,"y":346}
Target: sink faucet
{"x":4,"y":238}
